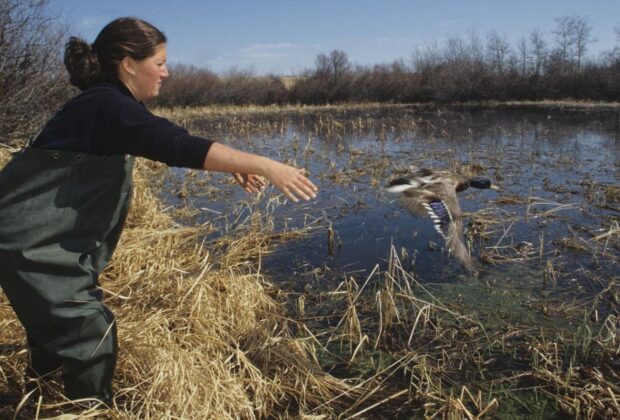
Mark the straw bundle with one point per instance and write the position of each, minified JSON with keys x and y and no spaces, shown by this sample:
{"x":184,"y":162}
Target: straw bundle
{"x":195,"y":341}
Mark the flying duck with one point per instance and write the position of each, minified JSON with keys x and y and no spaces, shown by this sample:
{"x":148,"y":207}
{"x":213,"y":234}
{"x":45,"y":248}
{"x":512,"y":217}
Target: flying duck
{"x":433,"y":193}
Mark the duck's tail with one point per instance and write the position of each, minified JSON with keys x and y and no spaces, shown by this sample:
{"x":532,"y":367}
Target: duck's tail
{"x":454,"y":242}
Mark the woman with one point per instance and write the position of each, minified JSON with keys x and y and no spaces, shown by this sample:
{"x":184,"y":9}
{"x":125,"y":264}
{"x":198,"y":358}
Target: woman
{"x":64,"y":199}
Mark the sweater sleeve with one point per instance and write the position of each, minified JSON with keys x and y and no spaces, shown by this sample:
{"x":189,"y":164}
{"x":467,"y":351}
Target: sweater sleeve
{"x":136,"y":131}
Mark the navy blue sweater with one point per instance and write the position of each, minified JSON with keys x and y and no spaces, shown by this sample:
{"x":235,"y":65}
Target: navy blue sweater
{"x":107,"y":120}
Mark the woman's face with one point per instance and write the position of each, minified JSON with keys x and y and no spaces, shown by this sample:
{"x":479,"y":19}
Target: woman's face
{"x":144,"y":77}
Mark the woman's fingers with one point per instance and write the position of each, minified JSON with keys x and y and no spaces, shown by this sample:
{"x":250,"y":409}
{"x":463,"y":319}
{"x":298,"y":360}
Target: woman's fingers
{"x":309,"y":185}
{"x":257,"y":181}
{"x":249,"y":182}
{"x":242,"y":181}
{"x":287,"y":192}
{"x":299,"y":187}
{"x":305,"y":191}
{"x":291,"y":181}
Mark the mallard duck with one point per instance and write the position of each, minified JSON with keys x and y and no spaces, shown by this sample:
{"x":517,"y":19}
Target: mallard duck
{"x":433,"y":193}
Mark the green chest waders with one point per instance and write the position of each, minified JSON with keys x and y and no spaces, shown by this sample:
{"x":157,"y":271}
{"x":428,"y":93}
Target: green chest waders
{"x":61,"y":215}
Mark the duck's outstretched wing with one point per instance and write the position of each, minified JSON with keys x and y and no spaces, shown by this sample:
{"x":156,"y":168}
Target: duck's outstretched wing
{"x":441,"y":204}
{"x":442,"y":211}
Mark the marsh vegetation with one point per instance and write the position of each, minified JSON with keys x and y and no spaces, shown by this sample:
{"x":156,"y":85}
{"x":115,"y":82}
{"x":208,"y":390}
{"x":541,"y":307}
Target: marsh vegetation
{"x":534,"y":334}
{"x":235,"y":305}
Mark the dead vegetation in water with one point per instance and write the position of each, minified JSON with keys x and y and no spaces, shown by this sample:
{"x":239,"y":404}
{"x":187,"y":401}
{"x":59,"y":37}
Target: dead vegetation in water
{"x":601,"y":195}
{"x":451,"y":358}
{"x":332,"y":122}
{"x":452,"y":362}
{"x":447,"y":359}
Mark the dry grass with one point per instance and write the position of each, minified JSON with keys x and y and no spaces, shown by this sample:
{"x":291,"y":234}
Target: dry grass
{"x":179,"y":113}
{"x":459,"y":363}
{"x":561,"y":104}
{"x":184,"y":114}
{"x":195,"y":341}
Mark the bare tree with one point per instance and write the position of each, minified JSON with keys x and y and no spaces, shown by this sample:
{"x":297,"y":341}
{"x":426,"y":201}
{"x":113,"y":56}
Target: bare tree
{"x":539,"y":51}
{"x":582,"y":37}
{"x":425,"y":58}
{"x":339,"y":63}
{"x":456,"y":51}
{"x":524,"y":55}
{"x":323,"y":67}
{"x":330,"y":81}
{"x":498,"y":50}
{"x":476,"y":48}
{"x":333,"y":66}
{"x":514,"y":63}
{"x":32,"y":79}
{"x":565,"y":40}
{"x":613,"y":56}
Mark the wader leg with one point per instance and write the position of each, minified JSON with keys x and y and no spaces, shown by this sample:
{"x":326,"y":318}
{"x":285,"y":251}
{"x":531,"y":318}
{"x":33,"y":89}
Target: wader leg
{"x":91,"y":359}
{"x":64,"y":320}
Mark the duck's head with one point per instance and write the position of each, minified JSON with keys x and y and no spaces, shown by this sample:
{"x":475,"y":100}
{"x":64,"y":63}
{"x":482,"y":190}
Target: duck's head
{"x":482,"y":183}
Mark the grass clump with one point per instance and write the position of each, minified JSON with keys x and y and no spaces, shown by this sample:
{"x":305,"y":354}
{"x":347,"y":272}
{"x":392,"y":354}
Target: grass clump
{"x":197,"y":339}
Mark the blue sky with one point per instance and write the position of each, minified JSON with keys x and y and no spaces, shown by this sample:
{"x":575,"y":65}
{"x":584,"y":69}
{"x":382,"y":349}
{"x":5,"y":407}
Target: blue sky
{"x":284,"y":37}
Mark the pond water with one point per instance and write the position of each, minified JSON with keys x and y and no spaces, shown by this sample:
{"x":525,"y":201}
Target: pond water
{"x":558,"y":172}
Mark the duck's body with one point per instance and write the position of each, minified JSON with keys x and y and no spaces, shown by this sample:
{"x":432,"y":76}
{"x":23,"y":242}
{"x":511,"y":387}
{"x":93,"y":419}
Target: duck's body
{"x":433,"y":193}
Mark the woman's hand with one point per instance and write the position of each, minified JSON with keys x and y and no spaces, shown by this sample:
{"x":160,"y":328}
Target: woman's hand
{"x":249,"y":182}
{"x":291,"y":181}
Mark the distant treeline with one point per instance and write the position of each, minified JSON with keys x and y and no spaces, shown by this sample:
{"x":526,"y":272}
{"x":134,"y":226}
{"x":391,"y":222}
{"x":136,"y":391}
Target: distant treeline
{"x":469,"y":69}
{"x":33,"y":82}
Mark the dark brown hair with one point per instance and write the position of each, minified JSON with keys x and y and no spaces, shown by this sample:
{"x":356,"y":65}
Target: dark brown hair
{"x":123,"y":37}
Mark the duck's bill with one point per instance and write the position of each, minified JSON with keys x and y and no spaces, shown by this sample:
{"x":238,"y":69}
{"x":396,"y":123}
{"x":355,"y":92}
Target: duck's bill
{"x":495,"y":187}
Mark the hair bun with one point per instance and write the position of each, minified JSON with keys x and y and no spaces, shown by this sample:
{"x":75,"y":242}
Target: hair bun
{"x":81,"y":63}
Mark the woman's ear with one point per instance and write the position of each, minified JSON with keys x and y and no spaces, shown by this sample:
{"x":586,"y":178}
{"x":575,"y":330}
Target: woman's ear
{"x":127,"y":65}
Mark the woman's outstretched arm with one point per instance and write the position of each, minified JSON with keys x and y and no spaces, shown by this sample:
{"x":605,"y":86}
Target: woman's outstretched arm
{"x":291,"y":181}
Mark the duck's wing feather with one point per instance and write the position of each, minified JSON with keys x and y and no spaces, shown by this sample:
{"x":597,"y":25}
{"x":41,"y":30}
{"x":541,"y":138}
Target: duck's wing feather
{"x":440,"y":215}
{"x":430,"y":204}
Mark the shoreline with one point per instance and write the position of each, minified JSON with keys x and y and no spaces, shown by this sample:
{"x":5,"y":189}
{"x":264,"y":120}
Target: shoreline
{"x":219,"y":110}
